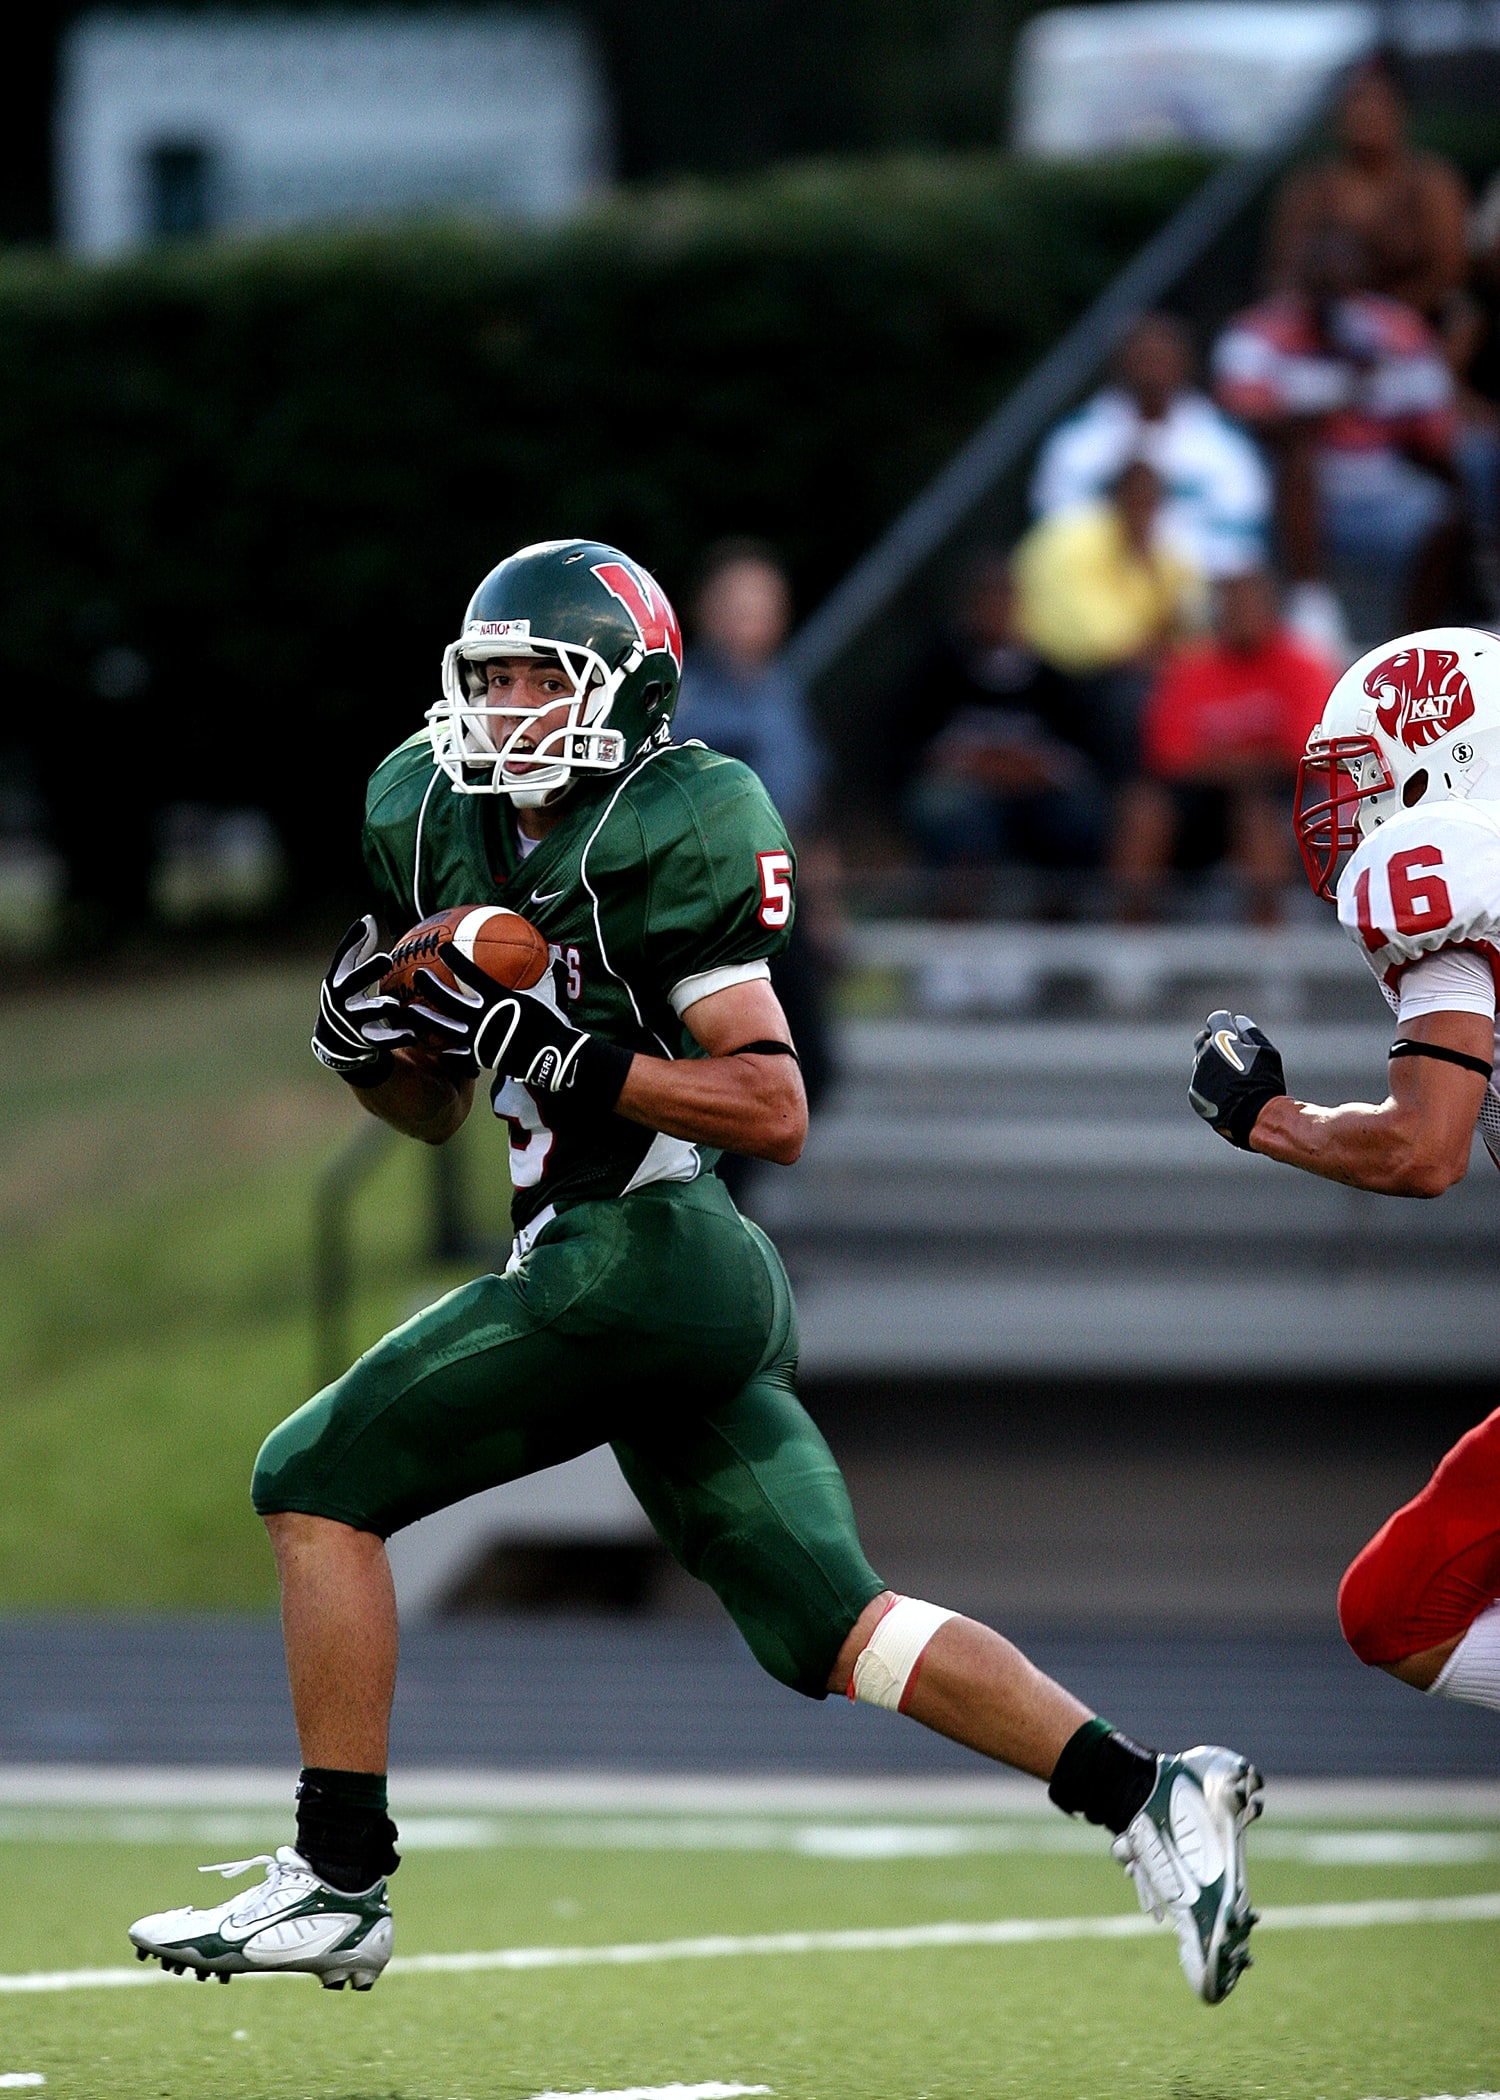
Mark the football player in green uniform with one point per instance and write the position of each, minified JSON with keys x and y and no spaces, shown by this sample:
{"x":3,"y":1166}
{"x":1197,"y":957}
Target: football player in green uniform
{"x":638,"y":1308}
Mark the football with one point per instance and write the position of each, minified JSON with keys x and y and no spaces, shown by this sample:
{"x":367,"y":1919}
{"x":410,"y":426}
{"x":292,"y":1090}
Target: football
{"x":503,"y":944}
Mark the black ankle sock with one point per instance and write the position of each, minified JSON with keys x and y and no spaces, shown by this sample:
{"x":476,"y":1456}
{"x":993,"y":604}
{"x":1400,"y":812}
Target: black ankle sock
{"x":1103,"y":1776}
{"x":343,"y":1831}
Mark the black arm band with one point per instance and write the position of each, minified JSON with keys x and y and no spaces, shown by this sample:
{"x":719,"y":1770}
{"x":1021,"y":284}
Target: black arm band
{"x":766,"y":1049}
{"x":600,"y":1071}
{"x":1405,"y":1047}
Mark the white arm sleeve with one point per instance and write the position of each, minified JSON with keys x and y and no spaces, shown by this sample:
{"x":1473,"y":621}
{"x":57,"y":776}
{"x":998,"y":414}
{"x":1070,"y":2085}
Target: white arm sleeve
{"x":689,"y":990}
{"x":1453,"y":981}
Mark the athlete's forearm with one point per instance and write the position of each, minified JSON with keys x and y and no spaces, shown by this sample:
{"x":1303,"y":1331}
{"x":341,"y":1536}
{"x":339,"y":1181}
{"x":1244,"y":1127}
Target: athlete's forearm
{"x":1387,"y":1148}
{"x":750,"y":1104}
{"x":418,"y":1101}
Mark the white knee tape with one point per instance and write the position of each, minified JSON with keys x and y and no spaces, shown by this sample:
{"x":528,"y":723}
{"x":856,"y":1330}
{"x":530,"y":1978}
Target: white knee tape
{"x":886,"y":1664}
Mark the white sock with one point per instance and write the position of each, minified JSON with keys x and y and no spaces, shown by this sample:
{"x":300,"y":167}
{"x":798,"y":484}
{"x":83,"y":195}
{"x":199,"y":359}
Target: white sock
{"x":1472,"y":1671}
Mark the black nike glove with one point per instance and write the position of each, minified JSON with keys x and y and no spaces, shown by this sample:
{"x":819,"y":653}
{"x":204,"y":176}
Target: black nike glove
{"x":358,"y":1025}
{"x":1236,"y":1071}
{"x":522,"y":1035}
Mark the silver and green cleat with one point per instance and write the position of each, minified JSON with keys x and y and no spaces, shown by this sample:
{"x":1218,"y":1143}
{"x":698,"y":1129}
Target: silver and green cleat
{"x":291,"y":1920}
{"x":1185,"y":1852}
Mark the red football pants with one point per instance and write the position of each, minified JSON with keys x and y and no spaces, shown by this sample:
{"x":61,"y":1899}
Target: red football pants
{"x":1435,"y":1565}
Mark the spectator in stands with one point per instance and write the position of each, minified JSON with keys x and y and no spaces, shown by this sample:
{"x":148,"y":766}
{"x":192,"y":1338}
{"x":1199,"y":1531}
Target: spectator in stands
{"x":1353,"y":395}
{"x":738,"y":698}
{"x":997,"y":779}
{"x":1099,"y":592}
{"x":1408,"y":210}
{"x":1217,"y":494}
{"x":1471,"y":340}
{"x":1223,"y":727}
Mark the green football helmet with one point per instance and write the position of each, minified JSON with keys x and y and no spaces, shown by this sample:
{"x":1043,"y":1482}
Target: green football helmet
{"x":600,"y":616}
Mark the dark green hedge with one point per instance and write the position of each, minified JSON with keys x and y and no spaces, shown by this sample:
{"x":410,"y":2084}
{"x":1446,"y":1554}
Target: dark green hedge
{"x":276,"y":470}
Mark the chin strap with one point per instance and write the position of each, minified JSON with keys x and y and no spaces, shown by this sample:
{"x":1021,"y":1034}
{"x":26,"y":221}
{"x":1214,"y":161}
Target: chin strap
{"x":766,"y":1049}
{"x":1405,"y":1047}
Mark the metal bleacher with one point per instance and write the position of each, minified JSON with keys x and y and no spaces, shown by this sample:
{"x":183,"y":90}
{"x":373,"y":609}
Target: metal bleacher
{"x":1008,"y":1178}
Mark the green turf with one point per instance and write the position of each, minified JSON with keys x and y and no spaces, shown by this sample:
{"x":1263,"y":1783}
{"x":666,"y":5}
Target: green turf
{"x":1394,"y":2011}
{"x":160,"y":1145}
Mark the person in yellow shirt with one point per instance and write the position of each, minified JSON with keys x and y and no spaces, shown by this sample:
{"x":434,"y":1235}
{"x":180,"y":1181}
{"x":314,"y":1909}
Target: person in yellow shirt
{"x":1096,"y":586}
{"x":1099,"y":593}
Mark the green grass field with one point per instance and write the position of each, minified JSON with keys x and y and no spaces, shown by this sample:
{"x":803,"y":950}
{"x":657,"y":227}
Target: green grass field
{"x":160,"y":1144}
{"x":1400,"y":2010}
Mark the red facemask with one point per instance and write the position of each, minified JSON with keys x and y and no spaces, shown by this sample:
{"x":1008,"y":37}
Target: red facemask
{"x":1327,"y":804}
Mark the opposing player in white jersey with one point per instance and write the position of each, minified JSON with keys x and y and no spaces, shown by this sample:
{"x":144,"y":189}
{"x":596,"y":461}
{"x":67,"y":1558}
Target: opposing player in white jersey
{"x":1398,"y":817}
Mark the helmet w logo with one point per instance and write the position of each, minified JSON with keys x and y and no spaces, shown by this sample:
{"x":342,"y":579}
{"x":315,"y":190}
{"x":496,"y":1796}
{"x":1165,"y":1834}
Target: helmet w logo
{"x":647,"y":604}
{"x":1422,"y":695}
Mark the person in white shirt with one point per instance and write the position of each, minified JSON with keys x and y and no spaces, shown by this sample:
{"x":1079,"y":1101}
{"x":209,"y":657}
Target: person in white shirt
{"x":1216,"y":491}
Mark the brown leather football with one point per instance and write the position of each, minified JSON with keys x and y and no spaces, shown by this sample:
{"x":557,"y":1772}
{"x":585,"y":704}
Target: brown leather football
{"x":505,"y":946}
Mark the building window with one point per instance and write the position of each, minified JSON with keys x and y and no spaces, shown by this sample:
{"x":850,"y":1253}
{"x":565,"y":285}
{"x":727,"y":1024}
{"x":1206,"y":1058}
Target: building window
{"x":178,"y":184}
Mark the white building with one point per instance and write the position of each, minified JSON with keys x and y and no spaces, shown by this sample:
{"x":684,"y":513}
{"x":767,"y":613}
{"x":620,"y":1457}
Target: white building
{"x":180,"y":124}
{"x":1214,"y":73}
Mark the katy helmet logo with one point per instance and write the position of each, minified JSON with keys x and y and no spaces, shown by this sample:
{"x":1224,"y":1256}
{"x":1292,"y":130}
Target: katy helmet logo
{"x":646,"y":603}
{"x":1422,"y":695}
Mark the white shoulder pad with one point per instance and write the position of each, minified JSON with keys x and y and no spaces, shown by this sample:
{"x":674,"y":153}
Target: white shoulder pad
{"x":1428,"y":879}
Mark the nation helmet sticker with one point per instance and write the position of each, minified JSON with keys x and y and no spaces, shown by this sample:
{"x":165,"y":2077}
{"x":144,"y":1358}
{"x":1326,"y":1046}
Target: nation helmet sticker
{"x":1421,"y":695}
{"x":500,"y":630}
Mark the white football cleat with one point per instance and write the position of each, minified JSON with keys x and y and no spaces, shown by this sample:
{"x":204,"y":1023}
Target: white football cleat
{"x":291,"y":1920}
{"x":1185,"y":1852}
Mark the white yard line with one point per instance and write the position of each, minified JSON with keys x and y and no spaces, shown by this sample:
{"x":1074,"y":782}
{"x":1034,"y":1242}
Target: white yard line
{"x":845,"y":1841}
{"x":435,"y":1791}
{"x":712,"y":2089}
{"x":897,"y":1939}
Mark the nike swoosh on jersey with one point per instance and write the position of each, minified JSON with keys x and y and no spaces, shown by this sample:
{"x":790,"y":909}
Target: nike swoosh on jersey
{"x":550,"y":897}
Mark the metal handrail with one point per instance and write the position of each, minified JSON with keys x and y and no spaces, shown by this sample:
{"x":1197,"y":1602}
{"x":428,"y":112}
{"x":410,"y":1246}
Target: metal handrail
{"x":1047,"y":389}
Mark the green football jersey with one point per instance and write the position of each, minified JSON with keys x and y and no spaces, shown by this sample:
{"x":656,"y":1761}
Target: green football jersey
{"x":659,"y":886}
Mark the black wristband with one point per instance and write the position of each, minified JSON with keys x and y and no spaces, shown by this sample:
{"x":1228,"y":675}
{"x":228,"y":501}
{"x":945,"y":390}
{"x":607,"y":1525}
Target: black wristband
{"x":376,"y":1073}
{"x":600,"y":1070}
{"x":1243,"y":1113}
{"x":1405,"y":1047}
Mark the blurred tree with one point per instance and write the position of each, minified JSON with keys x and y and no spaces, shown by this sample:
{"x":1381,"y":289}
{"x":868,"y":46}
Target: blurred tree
{"x":255,"y":480}
{"x":26,"y":89}
{"x":748,"y":82}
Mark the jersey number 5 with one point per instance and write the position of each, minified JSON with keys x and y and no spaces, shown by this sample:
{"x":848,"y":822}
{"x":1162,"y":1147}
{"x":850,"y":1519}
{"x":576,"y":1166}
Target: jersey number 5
{"x":775,"y":888}
{"x":1419,"y":896}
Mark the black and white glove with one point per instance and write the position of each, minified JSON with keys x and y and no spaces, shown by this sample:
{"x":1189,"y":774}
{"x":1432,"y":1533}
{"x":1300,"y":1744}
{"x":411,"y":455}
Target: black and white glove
{"x":358,"y":1025}
{"x":1236,"y":1071}
{"x":477,"y":1024}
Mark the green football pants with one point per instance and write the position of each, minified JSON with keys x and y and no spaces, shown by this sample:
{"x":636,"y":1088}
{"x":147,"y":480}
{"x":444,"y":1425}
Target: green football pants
{"x":661,"y":1324}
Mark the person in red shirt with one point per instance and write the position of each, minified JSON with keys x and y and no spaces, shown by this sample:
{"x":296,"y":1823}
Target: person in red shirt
{"x":1224,"y":724}
{"x":1354,"y":399}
